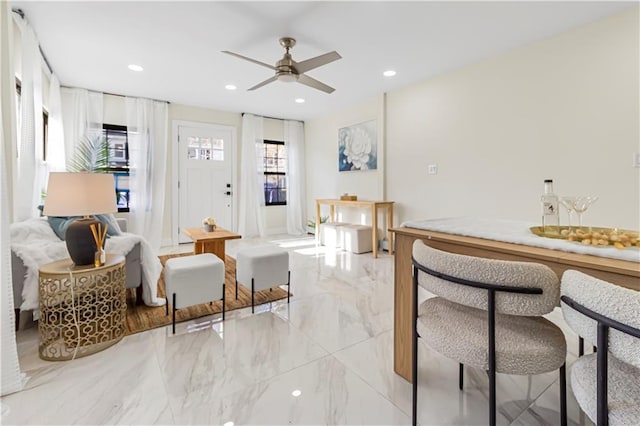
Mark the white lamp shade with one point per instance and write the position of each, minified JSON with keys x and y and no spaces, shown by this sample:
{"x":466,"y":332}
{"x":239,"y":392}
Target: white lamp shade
{"x":80,"y":194}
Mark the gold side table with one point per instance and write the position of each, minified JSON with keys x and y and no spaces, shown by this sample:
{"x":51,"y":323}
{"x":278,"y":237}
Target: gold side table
{"x":81,"y":307}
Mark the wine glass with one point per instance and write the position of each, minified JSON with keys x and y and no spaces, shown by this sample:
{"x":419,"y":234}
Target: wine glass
{"x":568,"y":201}
{"x":581,"y":205}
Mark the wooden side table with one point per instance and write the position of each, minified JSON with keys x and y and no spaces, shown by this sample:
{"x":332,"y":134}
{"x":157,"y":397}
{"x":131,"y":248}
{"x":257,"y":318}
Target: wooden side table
{"x":81,"y":307}
{"x":210,"y":242}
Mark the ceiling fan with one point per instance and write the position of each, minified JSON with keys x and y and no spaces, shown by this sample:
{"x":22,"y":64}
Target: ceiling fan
{"x":288,"y":70}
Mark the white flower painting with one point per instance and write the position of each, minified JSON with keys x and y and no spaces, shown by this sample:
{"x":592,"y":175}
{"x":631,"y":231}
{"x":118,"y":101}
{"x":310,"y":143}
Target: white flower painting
{"x":357,"y":147}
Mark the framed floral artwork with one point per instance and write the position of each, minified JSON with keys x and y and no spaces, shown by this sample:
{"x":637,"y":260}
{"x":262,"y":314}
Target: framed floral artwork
{"x":358,"y":147}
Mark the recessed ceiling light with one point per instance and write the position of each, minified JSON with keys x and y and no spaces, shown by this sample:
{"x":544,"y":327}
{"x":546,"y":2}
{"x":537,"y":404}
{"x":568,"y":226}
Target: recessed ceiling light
{"x":228,"y":424}
{"x":299,"y":100}
{"x":134,"y":67}
{"x":230,"y":87}
{"x":389,"y":73}
{"x":296,"y":392}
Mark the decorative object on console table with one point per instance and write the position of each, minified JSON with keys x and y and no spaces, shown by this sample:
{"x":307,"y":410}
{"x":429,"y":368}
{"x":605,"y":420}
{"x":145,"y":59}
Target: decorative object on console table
{"x":83,"y":309}
{"x":347,"y":197}
{"x":80,"y":194}
{"x":357,"y":147}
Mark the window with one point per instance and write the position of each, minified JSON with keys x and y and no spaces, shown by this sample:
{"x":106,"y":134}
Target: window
{"x":202,"y":148}
{"x":118,"y":161}
{"x":275,"y":173}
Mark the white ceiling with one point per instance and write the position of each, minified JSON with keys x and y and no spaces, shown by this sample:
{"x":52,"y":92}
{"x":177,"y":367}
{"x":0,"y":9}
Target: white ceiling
{"x":89,"y":44}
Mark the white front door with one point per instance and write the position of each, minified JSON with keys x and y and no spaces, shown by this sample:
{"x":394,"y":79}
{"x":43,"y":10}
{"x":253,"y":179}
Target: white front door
{"x":205,"y":173}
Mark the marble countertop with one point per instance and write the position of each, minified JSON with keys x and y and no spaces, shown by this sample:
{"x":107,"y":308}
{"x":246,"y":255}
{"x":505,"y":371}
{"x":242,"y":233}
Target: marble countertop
{"x":517,"y":232}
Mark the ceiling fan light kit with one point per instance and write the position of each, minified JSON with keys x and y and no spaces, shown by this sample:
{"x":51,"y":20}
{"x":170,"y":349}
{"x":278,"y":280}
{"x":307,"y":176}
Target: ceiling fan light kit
{"x":288,"y":71}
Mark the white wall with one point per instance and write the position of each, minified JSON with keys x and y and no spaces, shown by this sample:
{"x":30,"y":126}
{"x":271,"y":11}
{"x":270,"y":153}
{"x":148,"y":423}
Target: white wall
{"x":321,"y":150}
{"x":565,"y":108}
{"x":114,"y":110}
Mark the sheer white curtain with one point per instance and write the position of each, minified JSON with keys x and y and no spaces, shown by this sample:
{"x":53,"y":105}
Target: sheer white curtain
{"x":147,"y":123}
{"x":55,"y":146}
{"x":11,"y":380}
{"x":251,"y":217}
{"x":296,"y":199}
{"x":81,"y":116}
{"x":30,"y":171}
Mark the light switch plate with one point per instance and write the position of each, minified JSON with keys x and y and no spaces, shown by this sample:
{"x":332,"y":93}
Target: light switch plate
{"x":636,"y":159}
{"x":432,"y":169}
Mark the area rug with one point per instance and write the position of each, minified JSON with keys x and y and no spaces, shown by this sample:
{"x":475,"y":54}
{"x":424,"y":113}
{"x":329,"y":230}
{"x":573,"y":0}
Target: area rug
{"x":142,"y":318}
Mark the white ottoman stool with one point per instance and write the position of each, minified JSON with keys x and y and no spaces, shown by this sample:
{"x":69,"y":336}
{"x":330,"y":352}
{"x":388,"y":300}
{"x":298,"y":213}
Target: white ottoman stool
{"x":357,"y":238}
{"x":331,"y":234}
{"x":264,"y":267}
{"x":192,"y":280}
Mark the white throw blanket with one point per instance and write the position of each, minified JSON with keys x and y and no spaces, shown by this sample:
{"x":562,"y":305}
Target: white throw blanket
{"x":36,"y":244}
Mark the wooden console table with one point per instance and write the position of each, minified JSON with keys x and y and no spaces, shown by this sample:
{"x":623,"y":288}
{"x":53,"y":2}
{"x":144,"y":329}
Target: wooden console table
{"x":81,"y":307}
{"x":372,"y":206}
{"x":620,"y":272}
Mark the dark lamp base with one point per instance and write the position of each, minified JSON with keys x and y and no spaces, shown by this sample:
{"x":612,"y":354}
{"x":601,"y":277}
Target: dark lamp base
{"x":80,"y":242}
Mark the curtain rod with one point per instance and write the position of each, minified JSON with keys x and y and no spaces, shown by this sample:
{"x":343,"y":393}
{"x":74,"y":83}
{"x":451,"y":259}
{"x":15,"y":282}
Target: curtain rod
{"x":20,"y":13}
{"x":272,"y":118}
{"x":116,"y":94}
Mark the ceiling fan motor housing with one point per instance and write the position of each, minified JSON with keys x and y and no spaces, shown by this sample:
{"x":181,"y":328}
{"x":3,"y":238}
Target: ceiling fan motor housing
{"x":285,"y":70}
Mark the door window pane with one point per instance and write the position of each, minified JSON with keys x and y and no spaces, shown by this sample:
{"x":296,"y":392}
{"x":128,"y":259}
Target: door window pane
{"x":205,"y":149}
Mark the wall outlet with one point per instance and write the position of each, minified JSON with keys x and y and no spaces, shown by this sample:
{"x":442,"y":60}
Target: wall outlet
{"x":432,"y":169}
{"x":636,"y":160}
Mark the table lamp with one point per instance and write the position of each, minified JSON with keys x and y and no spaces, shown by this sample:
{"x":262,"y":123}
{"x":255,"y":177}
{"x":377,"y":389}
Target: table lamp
{"x":80,"y":194}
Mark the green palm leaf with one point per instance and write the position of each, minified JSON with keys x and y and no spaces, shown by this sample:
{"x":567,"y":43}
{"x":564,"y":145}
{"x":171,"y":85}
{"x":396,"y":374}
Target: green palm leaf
{"x":91,"y":155}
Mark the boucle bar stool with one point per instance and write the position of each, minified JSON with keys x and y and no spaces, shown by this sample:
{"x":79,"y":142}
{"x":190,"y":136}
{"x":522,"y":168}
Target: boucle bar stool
{"x":265,"y":267}
{"x":607,"y":388}
{"x":488,"y":314}
{"x":357,"y":238}
{"x":192,"y":280}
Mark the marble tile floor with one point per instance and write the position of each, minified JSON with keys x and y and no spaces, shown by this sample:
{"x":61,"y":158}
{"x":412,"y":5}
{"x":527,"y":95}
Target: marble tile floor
{"x":325,"y":358}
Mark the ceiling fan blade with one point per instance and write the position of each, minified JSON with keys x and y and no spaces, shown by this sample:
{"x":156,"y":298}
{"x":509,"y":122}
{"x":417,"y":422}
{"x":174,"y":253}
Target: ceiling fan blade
{"x":264,"y":83}
{"x":312,"y":82}
{"x":318,"y":61}
{"x":249,"y":59}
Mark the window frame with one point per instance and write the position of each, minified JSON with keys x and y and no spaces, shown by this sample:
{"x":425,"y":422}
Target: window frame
{"x":266,"y":173}
{"x":119,"y":171}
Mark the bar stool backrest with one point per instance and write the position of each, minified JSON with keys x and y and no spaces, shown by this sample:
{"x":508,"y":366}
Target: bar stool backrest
{"x":614,"y":302}
{"x":488,"y":271}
